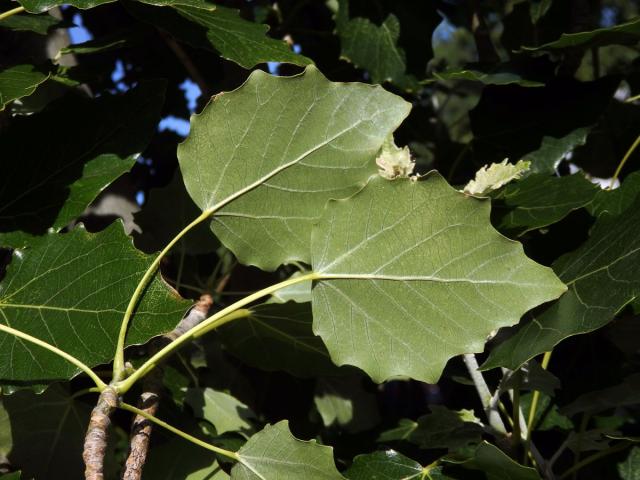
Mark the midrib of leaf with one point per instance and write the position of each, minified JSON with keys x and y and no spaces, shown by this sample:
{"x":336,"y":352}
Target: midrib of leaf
{"x":605,"y":267}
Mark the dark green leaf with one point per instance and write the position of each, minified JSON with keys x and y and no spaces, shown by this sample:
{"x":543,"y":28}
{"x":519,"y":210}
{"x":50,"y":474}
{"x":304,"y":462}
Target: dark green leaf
{"x":497,"y":466}
{"x":488,"y":78}
{"x":402,"y":432}
{"x":374,"y":48}
{"x":548,"y":416}
{"x":179,"y":459}
{"x":588,"y":440}
{"x":224,"y":411}
{"x":71,"y":291}
{"x":614,"y":202}
{"x":82,"y":146}
{"x":279,"y":337}
{"x":39,"y":6}
{"x":623,"y":34}
{"x":552,"y":150}
{"x":540,"y":200}
{"x":387,"y":465}
{"x":603,"y":276}
{"x":275,"y":453}
{"x":531,"y":376}
{"x":19,"y":81}
{"x":630,"y":468}
{"x":40,"y":24}
{"x":290,"y":145}
{"x":406,"y":264}
{"x":625,"y":393}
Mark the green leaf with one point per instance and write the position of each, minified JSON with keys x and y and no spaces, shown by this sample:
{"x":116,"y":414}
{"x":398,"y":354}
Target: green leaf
{"x":11,"y":476}
{"x":497,"y":466}
{"x":625,"y":393}
{"x":40,"y":24}
{"x":623,"y":34}
{"x":603,"y":276}
{"x":540,"y":200}
{"x":406,"y":264}
{"x":374,"y":48}
{"x":290,"y":145}
{"x":279,"y":337}
{"x":83,"y":145}
{"x":493,"y":77}
{"x":442,"y":428}
{"x":224,"y":411}
{"x":298,"y":292}
{"x":531,"y":376}
{"x":494,"y":176}
{"x":548,"y":416}
{"x":19,"y":81}
{"x":387,"y":465}
{"x":552,"y":150}
{"x":538,"y":9}
{"x":47,"y":432}
{"x":343,"y":401}
{"x":39,"y":6}
{"x":275,"y":453}
{"x":166,"y":212}
{"x":614,"y":202}
{"x":179,"y":459}
{"x":629,"y":469}
{"x":71,"y":291}
{"x":589,"y":440}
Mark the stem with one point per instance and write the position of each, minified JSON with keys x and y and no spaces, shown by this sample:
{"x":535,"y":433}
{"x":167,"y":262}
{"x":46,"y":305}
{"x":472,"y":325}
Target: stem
{"x":596,"y":456}
{"x":118,"y":361}
{"x":69,"y":358}
{"x":95,"y":441}
{"x":10,"y":13}
{"x":534,"y":406}
{"x":186,"y":436}
{"x":584,"y":423}
{"x":490,"y":410}
{"x":633,"y":146}
{"x":632,"y":99}
{"x":228,"y":314}
{"x":515,"y":402}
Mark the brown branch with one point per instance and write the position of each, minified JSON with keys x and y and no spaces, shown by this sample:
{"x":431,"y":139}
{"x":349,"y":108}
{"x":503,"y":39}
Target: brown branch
{"x":150,"y":398}
{"x":95,"y":442}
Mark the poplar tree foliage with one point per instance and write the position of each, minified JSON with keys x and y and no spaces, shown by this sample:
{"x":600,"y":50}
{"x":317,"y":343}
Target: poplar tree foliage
{"x":416,"y":225}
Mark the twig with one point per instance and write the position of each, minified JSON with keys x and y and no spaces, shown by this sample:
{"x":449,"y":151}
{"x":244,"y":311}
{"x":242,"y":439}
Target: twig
{"x":150,"y":398}
{"x":490,"y":408}
{"x":95,"y":442}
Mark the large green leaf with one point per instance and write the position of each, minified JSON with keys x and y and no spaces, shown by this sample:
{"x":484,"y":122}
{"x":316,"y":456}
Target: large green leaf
{"x":411,"y":274}
{"x":552,"y":150}
{"x":614,"y":202}
{"x":19,"y":81}
{"x":279,"y":337}
{"x":29,"y":22}
{"x":39,"y":6}
{"x":387,"y":465}
{"x":224,"y":411}
{"x":603,"y":276}
{"x":271,"y":153}
{"x":274,"y":453}
{"x":624,"y":34}
{"x":625,"y":393}
{"x":47,"y":432}
{"x":496,"y":465}
{"x":71,"y":291}
{"x":541,"y":200}
{"x":82,"y":146}
{"x":374,"y":48}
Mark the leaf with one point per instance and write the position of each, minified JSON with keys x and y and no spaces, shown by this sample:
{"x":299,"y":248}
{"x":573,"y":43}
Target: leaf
{"x":19,"y":81}
{"x":442,"y":428}
{"x":625,"y":393}
{"x":553,"y":150}
{"x":497,"y":466}
{"x":167,"y":211}
{"x":603,"y":275}
{"x":39,"y":6}
{"x":225,"y":412}
{"x":387,"y":465}
{"x":624,"y":34}
{"x":279,"y":337}
{"x":629,"y":469}
{"x":548,"y":416}
{"x":290,"y":145}
{"x":404,"y":266}
{"x":540,"y":200}
{"x":83,"y":145}
{"x":344,"y":402}
{"x":40,"y":24}
{"x":589,"y":440}
{"x":178,"y":459}
{"x":47,"y":431}
{"x":531,"y":376}
{"x":71,"y":291}
{"x":374,"y":48}
{"x":493,"y":77}
{"x":298,"y":292}
{"x":614,"y":202}
{"x":492,"y":177}
{"x":538,"y":9}
{"x":275,"y":453}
